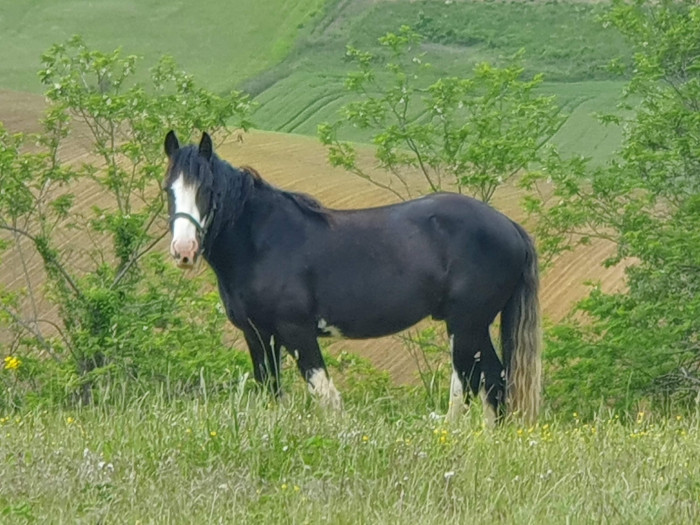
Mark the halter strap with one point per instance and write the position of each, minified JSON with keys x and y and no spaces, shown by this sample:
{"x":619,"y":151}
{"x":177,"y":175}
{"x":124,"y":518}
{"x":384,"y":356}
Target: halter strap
{"x":183,"y":215}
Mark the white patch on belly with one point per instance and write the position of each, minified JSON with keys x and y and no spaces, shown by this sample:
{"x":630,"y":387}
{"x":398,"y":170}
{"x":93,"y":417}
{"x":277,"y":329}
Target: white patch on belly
{"x":322,"y":386}
{"x":324,"y":327}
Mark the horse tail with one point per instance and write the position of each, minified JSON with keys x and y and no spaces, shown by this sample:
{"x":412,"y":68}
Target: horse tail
{"x":521,"y":339}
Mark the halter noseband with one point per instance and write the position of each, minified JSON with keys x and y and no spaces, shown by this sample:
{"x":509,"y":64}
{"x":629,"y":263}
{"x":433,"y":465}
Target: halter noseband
{"x":201,"y":230}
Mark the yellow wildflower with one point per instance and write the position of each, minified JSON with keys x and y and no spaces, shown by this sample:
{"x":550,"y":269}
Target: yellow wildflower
{"x":70,"y":420}
{"x":213,"y":433}
{"x":12,"y":363}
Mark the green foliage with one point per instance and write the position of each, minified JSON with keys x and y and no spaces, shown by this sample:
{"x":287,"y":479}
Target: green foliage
{"x":430,"y":350}
{"x":123,"y":313}
{"x":357,"y":379}
{"x":644,"y":341}
{"x":462,"y":133}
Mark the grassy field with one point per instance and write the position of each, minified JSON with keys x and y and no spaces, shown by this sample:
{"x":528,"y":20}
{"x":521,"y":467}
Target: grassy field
{"x":384,"y":460}
{"x":566,"y":42}
{"x":290,"y":54}
{"x":222,"y":43}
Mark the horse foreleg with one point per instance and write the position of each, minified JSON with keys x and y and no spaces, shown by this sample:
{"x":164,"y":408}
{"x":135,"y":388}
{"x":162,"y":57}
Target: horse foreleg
{"x":265,"y":353}
{"x":304,"y":347}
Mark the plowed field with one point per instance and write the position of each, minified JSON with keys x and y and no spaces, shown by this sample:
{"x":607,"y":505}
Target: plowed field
{"x":299,"y":163}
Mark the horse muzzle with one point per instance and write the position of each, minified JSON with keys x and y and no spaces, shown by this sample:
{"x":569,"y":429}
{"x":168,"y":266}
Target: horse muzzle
{"x":185,"y":253}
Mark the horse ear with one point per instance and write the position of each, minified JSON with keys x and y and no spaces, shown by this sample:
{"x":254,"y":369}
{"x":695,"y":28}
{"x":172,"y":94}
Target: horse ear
{"x":171,"y":144}
{"x":205,"y":146}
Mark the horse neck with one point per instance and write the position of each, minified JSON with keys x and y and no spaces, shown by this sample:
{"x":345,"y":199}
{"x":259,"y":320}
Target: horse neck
{"x":241,"y":206}
{"x":264,"y":212}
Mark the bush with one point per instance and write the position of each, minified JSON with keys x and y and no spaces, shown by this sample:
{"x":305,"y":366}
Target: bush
{"x":123,"y":315}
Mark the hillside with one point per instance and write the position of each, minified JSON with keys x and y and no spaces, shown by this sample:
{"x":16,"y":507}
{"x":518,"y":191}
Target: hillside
{"x":221,"y":43}
{"x":564,"y":41}
{"x":290,"y":55}
{"x":299,"y":163}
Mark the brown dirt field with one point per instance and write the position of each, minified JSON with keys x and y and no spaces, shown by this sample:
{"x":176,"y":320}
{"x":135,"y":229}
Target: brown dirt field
{"x":299,"y":163}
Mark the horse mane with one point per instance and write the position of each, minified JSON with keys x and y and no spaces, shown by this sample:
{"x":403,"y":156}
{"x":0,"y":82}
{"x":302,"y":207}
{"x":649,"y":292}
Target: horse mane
{"x":304,"y":202}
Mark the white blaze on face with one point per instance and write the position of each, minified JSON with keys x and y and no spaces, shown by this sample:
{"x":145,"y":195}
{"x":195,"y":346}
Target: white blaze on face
{"x":184,"y":242}
{"x":322,"y":386}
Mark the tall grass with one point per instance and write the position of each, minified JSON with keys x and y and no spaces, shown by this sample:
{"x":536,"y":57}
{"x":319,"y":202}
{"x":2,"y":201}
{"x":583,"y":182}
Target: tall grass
{"x":384,"y":460}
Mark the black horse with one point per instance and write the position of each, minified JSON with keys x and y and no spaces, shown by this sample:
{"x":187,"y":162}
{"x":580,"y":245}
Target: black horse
{"x":290,"y":270}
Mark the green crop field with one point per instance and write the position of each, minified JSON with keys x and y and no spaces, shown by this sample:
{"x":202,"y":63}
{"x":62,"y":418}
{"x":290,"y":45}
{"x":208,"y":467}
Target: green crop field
{"x":221,"y":43}
{"x":290,"y":54}
{"x":566,"y":42}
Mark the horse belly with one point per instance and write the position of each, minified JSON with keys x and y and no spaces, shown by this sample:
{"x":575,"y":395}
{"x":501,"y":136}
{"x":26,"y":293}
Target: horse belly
{"x":375,"y":313}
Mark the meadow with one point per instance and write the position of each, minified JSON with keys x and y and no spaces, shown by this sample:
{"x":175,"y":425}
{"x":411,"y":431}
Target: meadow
{"x":224,"y":453}
{"x":158,"y":459}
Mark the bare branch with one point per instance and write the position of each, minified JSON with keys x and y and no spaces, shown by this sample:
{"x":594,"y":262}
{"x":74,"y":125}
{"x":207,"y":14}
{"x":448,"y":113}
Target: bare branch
{"x":55,"y":264}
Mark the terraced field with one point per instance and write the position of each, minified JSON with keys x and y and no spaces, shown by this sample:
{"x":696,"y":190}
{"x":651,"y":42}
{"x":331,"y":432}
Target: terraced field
{"x":298,"y":163}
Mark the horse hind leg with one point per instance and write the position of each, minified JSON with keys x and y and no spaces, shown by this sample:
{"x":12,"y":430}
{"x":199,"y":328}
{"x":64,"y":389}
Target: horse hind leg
{"x":476,"y":370}
{"x":493,"y":384}
{"x":466,"y":373}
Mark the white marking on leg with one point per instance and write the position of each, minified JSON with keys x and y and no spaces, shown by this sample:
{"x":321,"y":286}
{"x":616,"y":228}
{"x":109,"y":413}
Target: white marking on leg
{"x":456,"y":389}
{"x":324,"y":327}
{"x":456,"y":397}
{"x":322,"y":386}
{"x":489,"y":412}
{"x":477,"y":356}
